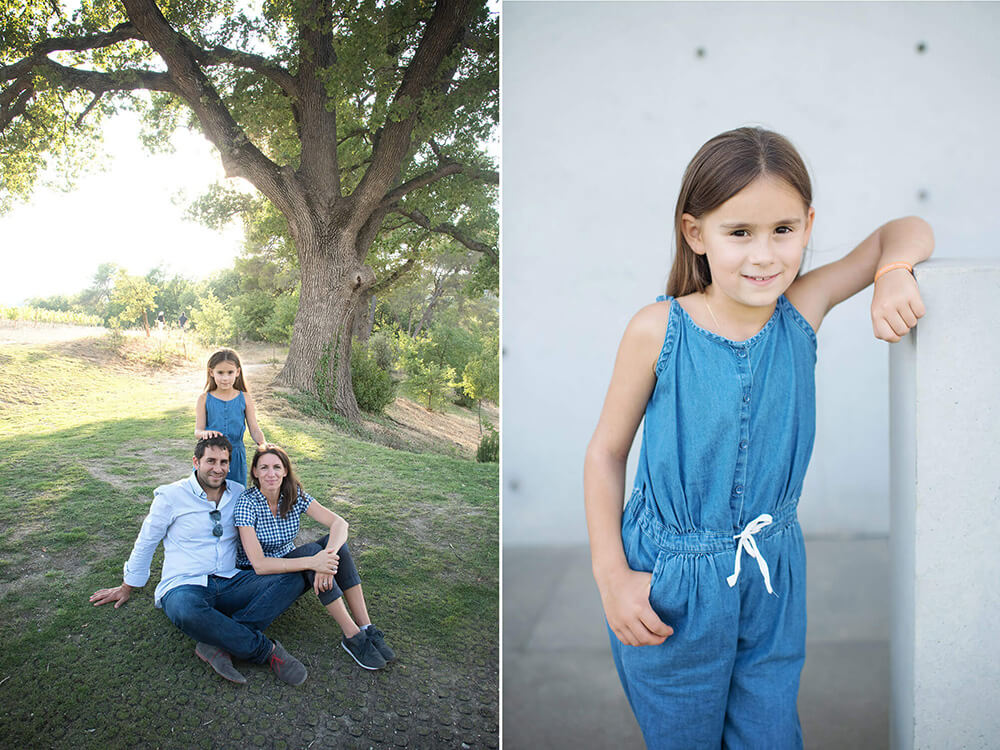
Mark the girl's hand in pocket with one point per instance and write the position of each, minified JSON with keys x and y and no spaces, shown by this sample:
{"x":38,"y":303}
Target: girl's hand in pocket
{"x":625,"y":597}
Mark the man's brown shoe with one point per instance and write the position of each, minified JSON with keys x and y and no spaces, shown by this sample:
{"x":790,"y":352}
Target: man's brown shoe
{"x":220,"y":661}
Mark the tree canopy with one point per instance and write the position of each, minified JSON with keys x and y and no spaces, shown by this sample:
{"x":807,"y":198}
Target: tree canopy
{"x":361,"y":125}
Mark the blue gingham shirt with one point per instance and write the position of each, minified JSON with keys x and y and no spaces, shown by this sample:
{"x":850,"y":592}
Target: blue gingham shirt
{"x":179,"y":517}
{"x":276,"y":535}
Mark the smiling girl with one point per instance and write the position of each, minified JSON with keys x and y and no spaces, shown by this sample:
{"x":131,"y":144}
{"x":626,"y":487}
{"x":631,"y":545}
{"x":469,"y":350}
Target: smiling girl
{"x":722,"y":371}
{"x":225,"y":408}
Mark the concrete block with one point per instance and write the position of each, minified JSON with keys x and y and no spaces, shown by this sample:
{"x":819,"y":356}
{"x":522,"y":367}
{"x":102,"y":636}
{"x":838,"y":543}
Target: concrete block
{"x":945,"y":513}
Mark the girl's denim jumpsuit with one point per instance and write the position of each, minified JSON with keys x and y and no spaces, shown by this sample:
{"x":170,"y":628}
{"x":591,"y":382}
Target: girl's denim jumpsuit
{"x":727,"y":436}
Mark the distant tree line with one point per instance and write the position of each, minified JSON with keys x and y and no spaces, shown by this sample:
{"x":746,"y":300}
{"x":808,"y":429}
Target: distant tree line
{"x":434,"y":332}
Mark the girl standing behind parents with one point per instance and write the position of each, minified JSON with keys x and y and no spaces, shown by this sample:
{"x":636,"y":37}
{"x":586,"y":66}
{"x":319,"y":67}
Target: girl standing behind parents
{"x":267,"y":516}
{"x":225,"y":407}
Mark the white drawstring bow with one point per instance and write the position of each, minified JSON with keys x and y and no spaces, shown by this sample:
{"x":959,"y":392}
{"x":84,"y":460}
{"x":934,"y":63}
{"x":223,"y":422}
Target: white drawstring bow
{"x":748,"y":543}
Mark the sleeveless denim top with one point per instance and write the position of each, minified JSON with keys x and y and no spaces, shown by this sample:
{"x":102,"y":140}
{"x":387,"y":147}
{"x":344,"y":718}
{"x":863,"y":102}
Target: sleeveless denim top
{"x":229,"y":418}
{"x":729,"y":427}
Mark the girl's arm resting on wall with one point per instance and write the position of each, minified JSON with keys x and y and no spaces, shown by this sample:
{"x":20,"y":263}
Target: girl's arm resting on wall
{"x":321,"y":562}
{"x":896,"y":303}
{"x":624,"y":592}
{"x":199,"y":420}
{"x":251,"y":417}
{"x":336,"y":524}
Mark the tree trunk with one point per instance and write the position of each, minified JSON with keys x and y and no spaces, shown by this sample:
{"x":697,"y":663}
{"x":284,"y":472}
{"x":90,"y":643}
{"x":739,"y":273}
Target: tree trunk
{"x":425,"y":319}
{"x":333,"y":285}
{"x":365,"y":321}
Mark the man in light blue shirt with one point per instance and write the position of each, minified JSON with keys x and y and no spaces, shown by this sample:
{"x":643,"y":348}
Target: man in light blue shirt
{"x":201,"y":590}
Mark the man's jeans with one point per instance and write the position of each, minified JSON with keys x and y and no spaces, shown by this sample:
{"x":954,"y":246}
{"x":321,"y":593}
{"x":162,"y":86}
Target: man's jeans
{"x":231,"y":612}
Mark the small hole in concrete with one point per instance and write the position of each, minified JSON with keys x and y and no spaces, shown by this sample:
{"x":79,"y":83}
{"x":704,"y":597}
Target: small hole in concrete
{"x":923,"y":195}
{"x":921,"y":47}
{"x":700,"y":52}
{"x":514,"y":485}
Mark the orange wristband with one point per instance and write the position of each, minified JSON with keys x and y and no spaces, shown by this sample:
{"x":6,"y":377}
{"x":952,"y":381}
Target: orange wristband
{"x":892,"y":267}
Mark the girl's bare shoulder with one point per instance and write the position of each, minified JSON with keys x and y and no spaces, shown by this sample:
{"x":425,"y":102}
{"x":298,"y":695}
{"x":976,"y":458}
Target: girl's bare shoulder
{"x":649,"y":324}
{"x":645,"y":333}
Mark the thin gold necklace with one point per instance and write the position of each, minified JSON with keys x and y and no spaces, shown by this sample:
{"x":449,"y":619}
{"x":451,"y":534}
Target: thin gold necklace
{"x":718,"y":328}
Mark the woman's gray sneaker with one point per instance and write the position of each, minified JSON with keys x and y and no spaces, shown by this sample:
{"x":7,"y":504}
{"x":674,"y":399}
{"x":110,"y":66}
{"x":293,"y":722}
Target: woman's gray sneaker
{"x":377,"y":637}
{"x":363,"y":651}
{"x":285,"y":666}
{"x":220,"y":661}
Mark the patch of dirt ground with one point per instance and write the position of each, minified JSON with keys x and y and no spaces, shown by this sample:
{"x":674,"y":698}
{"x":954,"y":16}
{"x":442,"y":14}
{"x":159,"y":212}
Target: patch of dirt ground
{"x":414,"y":427}
{"x":22,"y":332}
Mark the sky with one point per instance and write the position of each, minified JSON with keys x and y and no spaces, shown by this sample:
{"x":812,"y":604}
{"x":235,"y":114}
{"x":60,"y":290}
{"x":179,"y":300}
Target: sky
{"x":131,"y":214}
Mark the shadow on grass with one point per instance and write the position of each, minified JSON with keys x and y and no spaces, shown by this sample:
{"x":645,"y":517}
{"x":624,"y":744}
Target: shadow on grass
{"x":424,"y":530}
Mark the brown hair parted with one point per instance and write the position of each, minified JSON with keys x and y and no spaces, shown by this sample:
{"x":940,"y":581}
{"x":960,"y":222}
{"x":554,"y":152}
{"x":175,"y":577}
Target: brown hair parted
{"x":722,"y":168}
{"x":225,"y":355}
{"x":219,"y":441}
{"x":290,"y":485}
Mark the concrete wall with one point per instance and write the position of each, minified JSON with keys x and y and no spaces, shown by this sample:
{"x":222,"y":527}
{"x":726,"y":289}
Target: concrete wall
{"x":946,"y":514}
{"x":603,"y":106}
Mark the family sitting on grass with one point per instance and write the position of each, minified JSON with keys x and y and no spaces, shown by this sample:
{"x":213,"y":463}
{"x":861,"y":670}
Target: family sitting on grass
{"x":222,"y":588}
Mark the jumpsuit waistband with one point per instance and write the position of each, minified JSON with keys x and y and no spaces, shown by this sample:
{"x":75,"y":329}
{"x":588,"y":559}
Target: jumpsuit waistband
{"x":696,"y":542}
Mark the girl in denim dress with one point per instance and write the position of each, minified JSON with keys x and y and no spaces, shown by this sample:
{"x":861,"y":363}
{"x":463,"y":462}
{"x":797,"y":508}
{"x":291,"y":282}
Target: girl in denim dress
{"x":702,"y":577}
{"x":226,"y":408}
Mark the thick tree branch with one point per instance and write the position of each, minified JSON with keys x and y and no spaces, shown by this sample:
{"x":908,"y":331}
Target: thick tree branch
{"x":223,"y":55}
{"x":120,"y":33}
{"x":240,"y":156}
{"x":317,"y":121}
{"x":16,"y":97}
{"x":441,"y":36}
{"x":393,"y":277}
{"x":369,"y":230}
{"x":433,"y":175}
{"x":100,"y":83}
{"x":449,"y":229}
{"x":16,"y":107}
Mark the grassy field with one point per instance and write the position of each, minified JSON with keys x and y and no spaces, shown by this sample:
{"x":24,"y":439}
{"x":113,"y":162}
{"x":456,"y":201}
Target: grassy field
{"x":86,"y":436}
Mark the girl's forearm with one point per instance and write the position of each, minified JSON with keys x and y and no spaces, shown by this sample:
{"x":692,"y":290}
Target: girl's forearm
{"x":907,"y":240}
{"x":603,"y":490}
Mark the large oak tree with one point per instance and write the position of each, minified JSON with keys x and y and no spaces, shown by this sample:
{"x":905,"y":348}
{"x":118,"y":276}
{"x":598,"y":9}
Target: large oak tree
{"x":363,"y":123}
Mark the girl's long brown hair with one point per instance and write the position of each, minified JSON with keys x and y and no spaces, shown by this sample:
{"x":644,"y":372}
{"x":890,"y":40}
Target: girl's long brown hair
{"x":722,"y":168}
{"x":225,"y":355}
{"x":290,"y":485}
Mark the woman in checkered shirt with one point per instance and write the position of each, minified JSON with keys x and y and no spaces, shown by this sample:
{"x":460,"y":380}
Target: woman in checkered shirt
{"x":267,"y":516}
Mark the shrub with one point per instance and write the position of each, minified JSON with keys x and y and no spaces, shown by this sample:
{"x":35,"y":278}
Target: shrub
{"x":429,"y":382}
{"x":381,"y":347}
{"x":489,"y":447}
{"x":278,"y":328}
{"x":373,"y":386}
{"x":212,"y":322}
{"x":251,"y":312}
